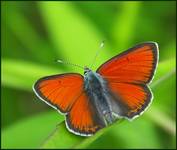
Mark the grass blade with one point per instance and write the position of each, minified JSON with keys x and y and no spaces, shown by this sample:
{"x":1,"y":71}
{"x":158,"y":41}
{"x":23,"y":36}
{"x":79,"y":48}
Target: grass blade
{"x":123,"y":28}
{"x":63,"y":15}
{"x":42,"y":125}
{"x":21,"y":27}
{"x":23,"y":74}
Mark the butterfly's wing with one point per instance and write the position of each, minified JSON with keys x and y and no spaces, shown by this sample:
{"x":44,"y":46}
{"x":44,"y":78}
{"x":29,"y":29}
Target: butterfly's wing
{"x":83,"y":119}
{"x":60,"y":91}
{"x":127,"y":75}
{"x":65,"y":93}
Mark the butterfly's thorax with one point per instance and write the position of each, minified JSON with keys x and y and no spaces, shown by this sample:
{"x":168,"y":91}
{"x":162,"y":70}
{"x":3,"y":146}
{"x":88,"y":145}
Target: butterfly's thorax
{"x":96,"y":88}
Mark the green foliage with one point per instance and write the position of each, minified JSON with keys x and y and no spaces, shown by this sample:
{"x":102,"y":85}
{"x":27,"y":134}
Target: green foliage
{"x":34,"y":34}
{"x":30,"y":132}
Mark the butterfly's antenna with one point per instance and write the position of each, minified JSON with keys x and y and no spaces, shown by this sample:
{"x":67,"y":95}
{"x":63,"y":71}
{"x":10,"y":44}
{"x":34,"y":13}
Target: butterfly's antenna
{"x":68,"y":63}
{"x":101,"y":46}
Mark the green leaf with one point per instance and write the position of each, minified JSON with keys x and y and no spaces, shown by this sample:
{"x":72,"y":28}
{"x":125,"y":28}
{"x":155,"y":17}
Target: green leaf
{"x":169,"y":51}
{"x":63,"y":15}
{"x":23,"y":74}
{"x":89,"y":140}
{"x":30,"y":132}
{"x":70,"y":140}
{"x":124,"y":28}
{"x":34,"y":43}
{"x":164,"y":88}
{"x":61,"y":138}
{"x":162,"y":120}
{"x":163,"y":68}
{"x":128,"y":135}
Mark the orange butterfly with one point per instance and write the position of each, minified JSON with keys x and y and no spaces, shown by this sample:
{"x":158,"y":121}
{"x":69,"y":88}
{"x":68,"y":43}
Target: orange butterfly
{"x":118,"y":89}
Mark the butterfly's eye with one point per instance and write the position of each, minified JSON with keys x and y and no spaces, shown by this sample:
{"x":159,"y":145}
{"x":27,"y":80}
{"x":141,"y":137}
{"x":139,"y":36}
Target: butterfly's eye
{"x":86,"y":70}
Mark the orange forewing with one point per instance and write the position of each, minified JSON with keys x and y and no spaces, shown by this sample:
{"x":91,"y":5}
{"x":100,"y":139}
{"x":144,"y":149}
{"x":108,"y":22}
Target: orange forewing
{"x":61,"y":90}
{"x":136,"y":65}
{"x":83,"y":117}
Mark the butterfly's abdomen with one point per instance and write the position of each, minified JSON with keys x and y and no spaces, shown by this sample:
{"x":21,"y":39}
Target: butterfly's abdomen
{"x":96,"y":89}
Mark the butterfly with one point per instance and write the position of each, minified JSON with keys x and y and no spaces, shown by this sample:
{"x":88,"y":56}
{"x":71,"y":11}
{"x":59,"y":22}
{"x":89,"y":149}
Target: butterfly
{"x":118,"y":89}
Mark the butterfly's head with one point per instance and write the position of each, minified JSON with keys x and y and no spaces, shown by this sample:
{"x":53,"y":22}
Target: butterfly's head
{"x":86,"y":70}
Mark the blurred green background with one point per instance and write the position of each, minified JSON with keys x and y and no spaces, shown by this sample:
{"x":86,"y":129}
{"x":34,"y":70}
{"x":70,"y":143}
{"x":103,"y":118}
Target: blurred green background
{"x":34,"y":34}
